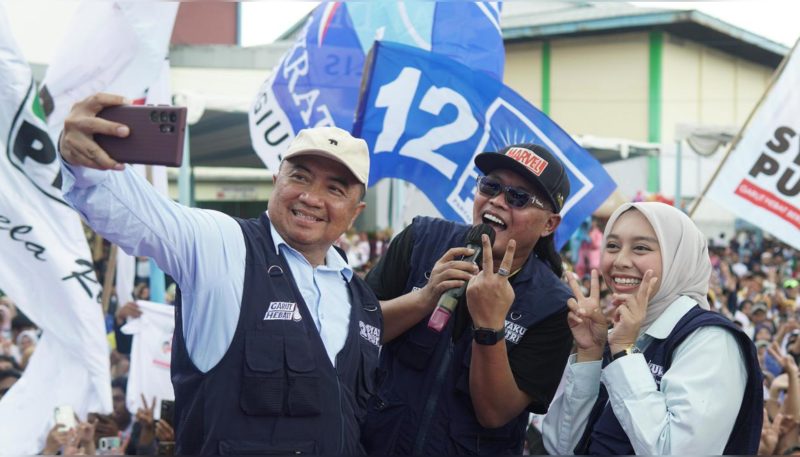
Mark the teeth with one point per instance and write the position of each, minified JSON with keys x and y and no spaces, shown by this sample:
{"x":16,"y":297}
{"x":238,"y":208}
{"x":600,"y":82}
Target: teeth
{"x":306,"y":216}
{"x":492,"y":218}
{"x":627,"y":281}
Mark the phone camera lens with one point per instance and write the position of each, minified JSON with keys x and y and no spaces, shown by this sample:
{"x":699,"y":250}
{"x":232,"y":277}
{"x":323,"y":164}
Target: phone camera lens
{"x":154,"y":116}
{"x":173,"y":117}
{"x":164,"y":116}
{"x":166,"y":128}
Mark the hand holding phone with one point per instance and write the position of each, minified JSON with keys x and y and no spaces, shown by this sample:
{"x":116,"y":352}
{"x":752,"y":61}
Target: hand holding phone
{"x":156,"y":134}
{"x":168,"y":412}
{"x":65,"y":417}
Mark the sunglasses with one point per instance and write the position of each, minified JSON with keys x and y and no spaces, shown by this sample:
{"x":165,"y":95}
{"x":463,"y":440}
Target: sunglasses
{"x":515,"y":197}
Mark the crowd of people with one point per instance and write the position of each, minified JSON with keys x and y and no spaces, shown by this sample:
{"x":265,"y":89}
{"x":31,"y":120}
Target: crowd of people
{"x":651,"y":319}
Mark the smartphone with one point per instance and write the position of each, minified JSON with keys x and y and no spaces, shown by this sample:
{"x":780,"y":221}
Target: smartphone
{"x":108,"y":445}
{"x":168,"y":412}
{"x":65,"y":417}
{"x":156,"y":134}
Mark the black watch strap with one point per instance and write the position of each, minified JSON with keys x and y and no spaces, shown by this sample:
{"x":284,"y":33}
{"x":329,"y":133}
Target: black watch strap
{"x":488,"y":336}
{"x":632,"y":349}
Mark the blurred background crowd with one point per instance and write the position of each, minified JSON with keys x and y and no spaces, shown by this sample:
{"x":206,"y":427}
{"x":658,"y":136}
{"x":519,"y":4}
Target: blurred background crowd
{"x":754,"y":283}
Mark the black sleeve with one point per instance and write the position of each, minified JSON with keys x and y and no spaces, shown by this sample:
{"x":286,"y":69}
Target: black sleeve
{"x":539,"y":360}
{"x":388,"y":278}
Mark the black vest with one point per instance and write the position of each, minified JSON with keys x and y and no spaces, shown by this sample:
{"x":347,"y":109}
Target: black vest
{"x":605,"y":436}
{"x":275,"y":390}
{"x":423,"y":405}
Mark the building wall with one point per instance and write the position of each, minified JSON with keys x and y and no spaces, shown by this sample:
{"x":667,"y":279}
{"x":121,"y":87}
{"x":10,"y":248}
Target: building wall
{"x":523,"y":70}
{"x":600,"y":85}
{"x":208,"y":22}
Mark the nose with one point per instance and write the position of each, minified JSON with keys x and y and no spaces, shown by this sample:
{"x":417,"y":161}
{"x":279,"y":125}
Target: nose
{"x":499,"y":200}
{"x":622,"y":259}
{"x":312,"y":196}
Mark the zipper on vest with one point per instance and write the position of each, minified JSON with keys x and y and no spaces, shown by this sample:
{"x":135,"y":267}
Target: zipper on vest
{"x":341,"y":411}
{"x":433,"y":399}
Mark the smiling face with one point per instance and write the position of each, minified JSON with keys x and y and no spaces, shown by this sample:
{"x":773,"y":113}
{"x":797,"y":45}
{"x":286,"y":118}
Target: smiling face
{"x":525,"y":225}
{"x":630,"y":250}
{"x":315,"y":200}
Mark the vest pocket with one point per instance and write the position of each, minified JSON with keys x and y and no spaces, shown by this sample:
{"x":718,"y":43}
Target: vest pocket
{"x":416,"y":349}
{"x":263,"y":381}
{"x":367,"y":376}
{"x":303,"y":398}
{"x":249,"y":447}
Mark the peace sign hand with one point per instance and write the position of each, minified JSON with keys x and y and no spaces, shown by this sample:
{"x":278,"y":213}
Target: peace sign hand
{"x":586,"y":320}
{"x":630,"y":313}
{"x":489,"y":294}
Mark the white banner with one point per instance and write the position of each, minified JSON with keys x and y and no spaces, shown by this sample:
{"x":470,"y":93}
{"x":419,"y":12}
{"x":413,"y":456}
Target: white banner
{"x":151,"y":353}
{"x":760,"y":180}
{"x":47,"y":267}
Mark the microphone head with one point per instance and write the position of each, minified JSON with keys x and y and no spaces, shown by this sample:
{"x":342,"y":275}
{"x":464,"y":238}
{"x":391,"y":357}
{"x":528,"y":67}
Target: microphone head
{"x":474,"y":234}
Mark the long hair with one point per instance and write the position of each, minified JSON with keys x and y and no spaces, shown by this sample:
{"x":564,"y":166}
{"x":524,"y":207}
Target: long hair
{"x":545,"y":249}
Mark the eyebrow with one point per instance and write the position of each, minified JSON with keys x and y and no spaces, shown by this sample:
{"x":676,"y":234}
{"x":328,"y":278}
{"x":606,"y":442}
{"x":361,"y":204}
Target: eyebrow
{"x":337,"y":179}
{"x":636,"y":238}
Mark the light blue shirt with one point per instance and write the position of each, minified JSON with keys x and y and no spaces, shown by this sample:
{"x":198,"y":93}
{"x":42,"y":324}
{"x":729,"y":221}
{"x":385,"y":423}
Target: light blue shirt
{"x":204,"y":251}
{"x":693,"y":412}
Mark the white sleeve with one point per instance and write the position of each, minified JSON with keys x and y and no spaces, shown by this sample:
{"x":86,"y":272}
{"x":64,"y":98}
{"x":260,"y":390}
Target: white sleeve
{"x":566,"y":419}
{"x":700,"y":396}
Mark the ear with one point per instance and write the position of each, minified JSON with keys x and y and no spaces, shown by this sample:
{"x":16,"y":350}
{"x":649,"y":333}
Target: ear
{"x":551,"y":225}
{"x":359,"y":207}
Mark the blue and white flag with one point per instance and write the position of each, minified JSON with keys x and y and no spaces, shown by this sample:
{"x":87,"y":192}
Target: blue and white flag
{"x":317,"y":82}
{"x":425,"y":117}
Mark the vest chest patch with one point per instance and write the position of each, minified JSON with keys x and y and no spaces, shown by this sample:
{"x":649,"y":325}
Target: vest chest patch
{"x":283,"y":311}
{"x":370,"y":333}
{"x":514,"y":332}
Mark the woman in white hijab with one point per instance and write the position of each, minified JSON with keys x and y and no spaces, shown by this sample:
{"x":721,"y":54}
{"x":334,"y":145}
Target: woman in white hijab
{"x":670,"y":377}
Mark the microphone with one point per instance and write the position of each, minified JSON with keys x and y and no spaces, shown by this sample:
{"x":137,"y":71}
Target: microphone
{"x":449,"y":299}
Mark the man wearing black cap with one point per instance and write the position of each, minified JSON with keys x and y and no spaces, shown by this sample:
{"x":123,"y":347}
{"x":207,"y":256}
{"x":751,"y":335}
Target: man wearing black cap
{"x":468,"y":388}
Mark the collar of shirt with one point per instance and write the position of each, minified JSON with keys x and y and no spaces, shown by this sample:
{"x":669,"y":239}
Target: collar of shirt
{"x":333,"y":261}
{"x":662,"y":326}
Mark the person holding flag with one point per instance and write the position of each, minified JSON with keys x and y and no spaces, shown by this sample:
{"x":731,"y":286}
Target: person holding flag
{"x":276,"y":340}
{"x":466,"y":387}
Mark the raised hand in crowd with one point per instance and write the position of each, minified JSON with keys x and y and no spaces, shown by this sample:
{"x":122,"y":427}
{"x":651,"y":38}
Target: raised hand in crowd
{"x":164,"y":431}
{"x":105,"y":425}
{"x":57,"y":437}
{"x":129,"y":309}
{"x":770,"y":433}
{"x":85,"y":432}
{"x":144,"y":416}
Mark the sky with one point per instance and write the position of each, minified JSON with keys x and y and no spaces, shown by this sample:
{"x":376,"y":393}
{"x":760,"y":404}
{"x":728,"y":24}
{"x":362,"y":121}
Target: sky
{"x":778,"y":20}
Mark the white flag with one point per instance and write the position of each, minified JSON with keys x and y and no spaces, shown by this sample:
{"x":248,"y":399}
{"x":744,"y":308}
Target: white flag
{"x":151,"y":353}
{"x":760,"y":180}
{"x":47,"y":268}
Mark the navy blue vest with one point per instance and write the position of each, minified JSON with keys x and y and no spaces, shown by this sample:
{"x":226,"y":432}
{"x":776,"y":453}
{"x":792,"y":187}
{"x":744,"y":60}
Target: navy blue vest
{"x":423,"y":404}
{"x":275,"y":390}
{"x":604,"y":434}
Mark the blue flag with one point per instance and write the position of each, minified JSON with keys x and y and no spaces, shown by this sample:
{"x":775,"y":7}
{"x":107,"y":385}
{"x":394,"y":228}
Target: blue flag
{"x":317,"y":81}
{"x":425,"y":117}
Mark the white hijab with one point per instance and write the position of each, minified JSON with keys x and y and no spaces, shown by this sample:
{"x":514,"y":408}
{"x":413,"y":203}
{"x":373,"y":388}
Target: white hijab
{"x":686,"y":266}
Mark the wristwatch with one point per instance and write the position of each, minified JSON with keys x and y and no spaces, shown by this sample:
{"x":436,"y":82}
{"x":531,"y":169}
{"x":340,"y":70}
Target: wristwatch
{"x":488,"y":336}
{"x":632,"y":349}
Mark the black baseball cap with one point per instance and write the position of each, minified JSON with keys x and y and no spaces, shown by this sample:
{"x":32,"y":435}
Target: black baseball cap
{"x":534,"y":163}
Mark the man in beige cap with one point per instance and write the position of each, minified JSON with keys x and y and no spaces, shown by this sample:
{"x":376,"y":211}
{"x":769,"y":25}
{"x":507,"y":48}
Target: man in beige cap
{"x":276,"y":340}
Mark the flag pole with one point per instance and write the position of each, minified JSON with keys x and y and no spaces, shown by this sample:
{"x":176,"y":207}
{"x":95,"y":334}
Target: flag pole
{"x":775,"y":77}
